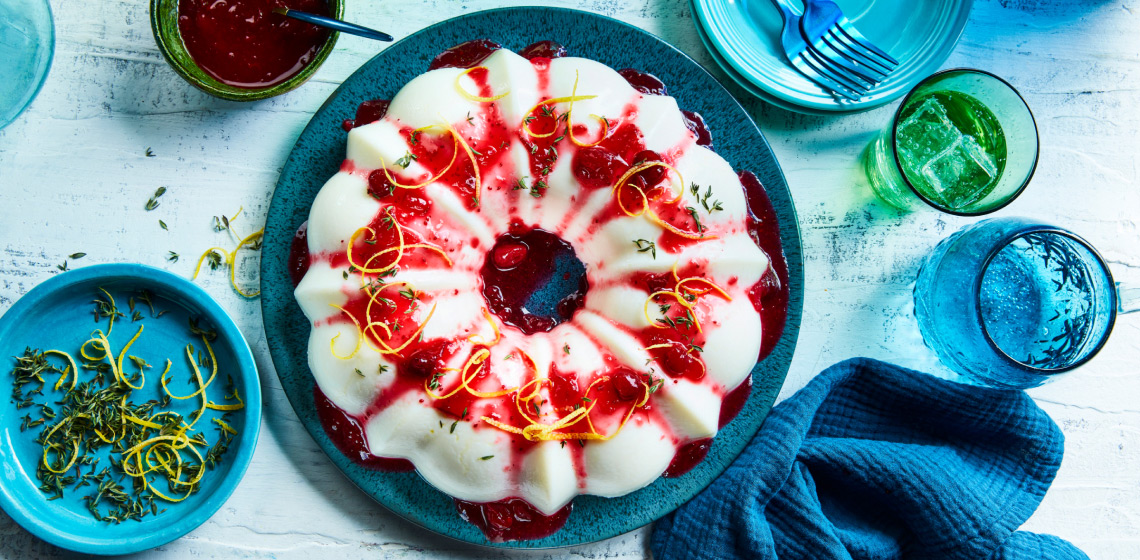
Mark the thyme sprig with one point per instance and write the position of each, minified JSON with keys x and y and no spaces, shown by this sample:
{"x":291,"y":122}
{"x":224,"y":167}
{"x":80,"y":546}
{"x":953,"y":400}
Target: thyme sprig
{"x":95,"y":437}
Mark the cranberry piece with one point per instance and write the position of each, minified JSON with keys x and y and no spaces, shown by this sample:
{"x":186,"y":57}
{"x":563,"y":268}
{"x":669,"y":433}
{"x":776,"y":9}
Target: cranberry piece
{"x":415,"y":203}
{"x":543,"y":49}
{"x":499,"y":516}
{"x":465,"y":55}
{"x":643,"y":81}
{"x":371,"y":111}
{"x":596,"y":167}
{"x":378,"y":185}
{"x":626,"y":384}
{"x":509,"y":255}
{"x":427,"y":360}
{"x":676,"y":359}
{"x":648,"y":178}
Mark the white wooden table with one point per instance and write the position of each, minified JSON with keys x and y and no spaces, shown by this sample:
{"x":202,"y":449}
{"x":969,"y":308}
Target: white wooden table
{"x":73,"y":177}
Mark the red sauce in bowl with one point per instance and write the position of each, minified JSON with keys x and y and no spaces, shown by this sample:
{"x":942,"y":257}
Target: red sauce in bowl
{"x":243,"y":43}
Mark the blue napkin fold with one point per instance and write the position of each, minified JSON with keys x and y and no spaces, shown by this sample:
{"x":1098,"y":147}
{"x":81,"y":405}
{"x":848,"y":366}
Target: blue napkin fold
{"x":874,"y":461}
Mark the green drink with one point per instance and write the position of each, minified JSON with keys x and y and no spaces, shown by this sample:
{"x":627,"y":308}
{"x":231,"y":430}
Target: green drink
{"x":947,"y":146}
{"x":951,"y":148}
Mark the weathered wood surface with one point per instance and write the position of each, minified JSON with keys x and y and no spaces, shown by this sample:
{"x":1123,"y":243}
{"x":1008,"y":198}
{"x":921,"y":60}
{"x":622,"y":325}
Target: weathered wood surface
{"x":73,"y":177}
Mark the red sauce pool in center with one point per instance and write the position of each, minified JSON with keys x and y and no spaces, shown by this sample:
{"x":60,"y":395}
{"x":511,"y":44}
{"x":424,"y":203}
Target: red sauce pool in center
{"x":520,"y":263}
{"x":243,"y":43}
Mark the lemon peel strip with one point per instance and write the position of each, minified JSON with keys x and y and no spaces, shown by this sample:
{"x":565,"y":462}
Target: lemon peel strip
{"x":474,"y":163}
{"x":74,"y":371}
{"x":476,"y":98}
{"x":359,"y":333}
{"x":433,"y":178}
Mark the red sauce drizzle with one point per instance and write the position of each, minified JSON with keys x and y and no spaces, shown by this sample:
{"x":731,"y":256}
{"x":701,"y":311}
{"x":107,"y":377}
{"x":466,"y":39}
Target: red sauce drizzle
{"x":368,"y":112}
{"x":734,"y":401}
{"x":696,"y":124}
{"x":347,"y":435}
{"x":643,"y":81}
{"x":543,"y":49}
{"x":770,"y":295}
{"x":465,"y":55}
{"x":691,"y":454}
{"x":688,"y":457}
{"x":243,"y":43}
{"x":299,"y":254}
{"x":512,"y":519}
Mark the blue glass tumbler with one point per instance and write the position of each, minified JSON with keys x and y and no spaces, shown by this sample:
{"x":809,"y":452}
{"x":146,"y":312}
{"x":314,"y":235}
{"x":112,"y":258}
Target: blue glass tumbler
{"x":1013,"y":303}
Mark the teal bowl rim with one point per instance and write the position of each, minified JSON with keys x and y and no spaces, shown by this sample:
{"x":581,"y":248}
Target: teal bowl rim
{"x":198,"y":78}
{"x":46,"y":71}
{"x":247,"y":378}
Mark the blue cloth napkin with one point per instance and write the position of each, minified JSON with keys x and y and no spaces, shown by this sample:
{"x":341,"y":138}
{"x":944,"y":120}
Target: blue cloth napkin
{"x":873,"y":461}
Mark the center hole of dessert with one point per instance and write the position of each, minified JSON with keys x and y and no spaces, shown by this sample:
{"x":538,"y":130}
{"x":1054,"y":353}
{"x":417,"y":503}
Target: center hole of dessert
{"x":533,"y":280}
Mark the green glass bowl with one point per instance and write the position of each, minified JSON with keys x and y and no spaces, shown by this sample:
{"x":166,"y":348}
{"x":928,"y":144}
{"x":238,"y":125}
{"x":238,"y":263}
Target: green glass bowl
{"x":164,"y":25}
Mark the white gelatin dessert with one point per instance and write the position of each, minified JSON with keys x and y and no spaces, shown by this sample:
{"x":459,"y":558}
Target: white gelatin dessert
{"x":533,"y":281}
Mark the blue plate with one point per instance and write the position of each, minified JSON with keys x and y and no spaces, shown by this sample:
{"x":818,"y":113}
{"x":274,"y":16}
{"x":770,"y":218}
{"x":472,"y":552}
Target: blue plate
{"x":57,"y":314}
{"x":320,"y":151}
{"x":744,"y":38}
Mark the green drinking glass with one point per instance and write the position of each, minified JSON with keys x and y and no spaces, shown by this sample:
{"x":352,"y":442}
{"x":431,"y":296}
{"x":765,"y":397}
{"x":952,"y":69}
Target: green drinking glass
{"x":963,"y":142}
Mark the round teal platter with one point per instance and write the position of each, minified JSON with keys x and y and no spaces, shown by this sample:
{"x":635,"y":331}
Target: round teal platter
{"x":318,"y":155}
{"x":58,"y":314}
{"x":743,"y":37}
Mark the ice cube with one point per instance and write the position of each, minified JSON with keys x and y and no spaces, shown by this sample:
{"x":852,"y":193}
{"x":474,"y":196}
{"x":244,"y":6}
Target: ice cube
{"x":925,"y":133}
{"x":961,"y":173}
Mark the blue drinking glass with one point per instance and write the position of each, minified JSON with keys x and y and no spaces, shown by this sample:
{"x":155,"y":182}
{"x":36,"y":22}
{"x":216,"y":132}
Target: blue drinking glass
{"x":27,"y":42}
{"x":1013,"y":303}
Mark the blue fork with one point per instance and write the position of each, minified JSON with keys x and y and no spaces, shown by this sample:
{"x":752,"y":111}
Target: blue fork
{"x":822,"y":45}
{"x":836,"y":38}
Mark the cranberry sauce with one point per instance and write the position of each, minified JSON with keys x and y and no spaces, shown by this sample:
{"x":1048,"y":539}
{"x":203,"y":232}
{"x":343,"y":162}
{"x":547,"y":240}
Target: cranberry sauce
{"x":465,"y":55}
{"x":533,"y":280}
{"x":347,"y":435}
{"x":643,"y":81}
{"x":368,"y":112}
{"x":543,"y":49}
{"x":688,"y":456}
{"x":243,"y":43}
{"x":734,"y":401}
{"x":299,"y":254}
{"x":691,"y":454}
{"x":512,"y":519}
{"x":696,"y":124}
{"x":770,"y":295}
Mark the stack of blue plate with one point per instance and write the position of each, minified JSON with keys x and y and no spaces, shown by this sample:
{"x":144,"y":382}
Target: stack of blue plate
{"x":743,"y":37}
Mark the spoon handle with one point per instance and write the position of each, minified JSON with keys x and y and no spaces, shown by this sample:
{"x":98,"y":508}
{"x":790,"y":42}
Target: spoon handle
{"x":337,"y":25}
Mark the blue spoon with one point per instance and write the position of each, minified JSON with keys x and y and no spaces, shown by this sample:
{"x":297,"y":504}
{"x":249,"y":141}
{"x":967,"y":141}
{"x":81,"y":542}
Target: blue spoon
{"x":334,"y":24}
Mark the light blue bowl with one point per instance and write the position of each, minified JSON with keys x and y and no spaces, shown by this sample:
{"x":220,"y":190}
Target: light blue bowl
{"x":27,"y":43}
{"x":57,"y":314}
{"x":744,"y":39}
